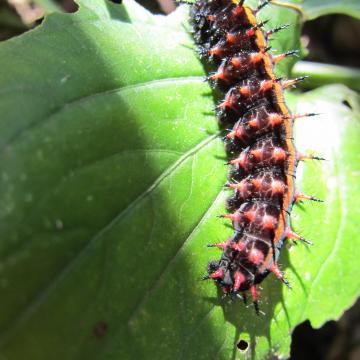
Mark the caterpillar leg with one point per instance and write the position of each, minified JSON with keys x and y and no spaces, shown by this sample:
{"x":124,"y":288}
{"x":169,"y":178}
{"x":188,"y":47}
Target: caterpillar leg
{"x":254,"y":296}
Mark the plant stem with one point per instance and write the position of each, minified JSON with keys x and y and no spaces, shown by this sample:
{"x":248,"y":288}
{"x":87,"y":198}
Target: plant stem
{"x":323,"y":74}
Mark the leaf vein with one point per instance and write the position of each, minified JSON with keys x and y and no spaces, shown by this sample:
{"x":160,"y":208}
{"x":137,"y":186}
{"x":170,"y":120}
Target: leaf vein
{"x":83,"y":99}
{"x":38,"y":300}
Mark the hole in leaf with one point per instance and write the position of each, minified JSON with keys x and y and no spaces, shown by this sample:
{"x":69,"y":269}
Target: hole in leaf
{"x":242,"y":345}
{"x":347,"y":104}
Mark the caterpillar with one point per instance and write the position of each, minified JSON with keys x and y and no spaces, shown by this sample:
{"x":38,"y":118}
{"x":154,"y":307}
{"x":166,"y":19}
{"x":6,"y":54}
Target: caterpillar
{"x":262,"y":155}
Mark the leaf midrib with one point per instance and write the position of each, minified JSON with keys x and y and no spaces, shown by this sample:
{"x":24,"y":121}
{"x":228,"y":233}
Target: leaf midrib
{"x":76,"y":102}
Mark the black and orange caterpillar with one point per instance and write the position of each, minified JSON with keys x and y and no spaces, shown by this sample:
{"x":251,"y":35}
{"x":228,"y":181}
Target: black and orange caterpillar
{"x":263,"y":157}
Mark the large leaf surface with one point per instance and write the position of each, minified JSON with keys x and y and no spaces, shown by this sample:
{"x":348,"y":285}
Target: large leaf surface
{"x":111,"y":178}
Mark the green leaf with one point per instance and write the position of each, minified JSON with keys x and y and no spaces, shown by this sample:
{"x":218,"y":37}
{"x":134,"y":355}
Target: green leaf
{"x":316,"y":8}
{"x":111,"y":179}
